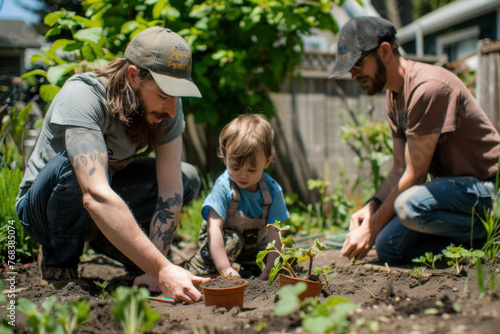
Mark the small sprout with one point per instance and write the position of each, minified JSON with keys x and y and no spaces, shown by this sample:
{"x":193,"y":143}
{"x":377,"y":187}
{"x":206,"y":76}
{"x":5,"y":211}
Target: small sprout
{"x":67,"y":316}
{"x":429,"y":259}
{"x":259,"y":326}
{"x":457,"y":254}
{"x":431,"y":311}
{"x":104,"y":294}
{"x":416,"y":272}
{"x":456,"y":308}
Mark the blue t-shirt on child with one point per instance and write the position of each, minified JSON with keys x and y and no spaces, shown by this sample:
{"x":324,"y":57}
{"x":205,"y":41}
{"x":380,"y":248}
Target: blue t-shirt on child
{"x":251,"y":204}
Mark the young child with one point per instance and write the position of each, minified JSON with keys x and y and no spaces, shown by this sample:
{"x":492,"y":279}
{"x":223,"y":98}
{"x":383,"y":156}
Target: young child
{"x":243,"y":201}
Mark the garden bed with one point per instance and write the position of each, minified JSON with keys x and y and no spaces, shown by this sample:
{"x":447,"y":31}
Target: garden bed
{"x":440,"y":301}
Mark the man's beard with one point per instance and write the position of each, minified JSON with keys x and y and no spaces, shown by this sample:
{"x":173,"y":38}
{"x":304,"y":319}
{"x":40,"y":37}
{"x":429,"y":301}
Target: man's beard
{"x":378,"y":83}
{"x":141,"y":133}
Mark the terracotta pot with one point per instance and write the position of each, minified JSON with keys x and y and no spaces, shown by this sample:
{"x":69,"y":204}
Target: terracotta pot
{"x":225,"y":297}
{"x":313,"y":288}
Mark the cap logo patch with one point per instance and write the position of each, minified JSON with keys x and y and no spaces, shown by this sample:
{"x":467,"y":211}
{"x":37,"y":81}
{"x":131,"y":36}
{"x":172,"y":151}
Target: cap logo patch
{"x":342,"y":51}
{"x":175,"y":63}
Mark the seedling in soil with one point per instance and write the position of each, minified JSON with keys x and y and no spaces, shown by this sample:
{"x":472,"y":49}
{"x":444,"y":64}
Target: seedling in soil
{"x":459,"y":254}
{"x":103,"y":286}
{"x":288,"y":256}
{"x":132,"y":310}
{"x":429,"y":259}
{"x":66,"y":319}
{"x":72,"y":315}
{"x":326,"y":271}
{"x":331,"y":316}
{"x":416,"y":272}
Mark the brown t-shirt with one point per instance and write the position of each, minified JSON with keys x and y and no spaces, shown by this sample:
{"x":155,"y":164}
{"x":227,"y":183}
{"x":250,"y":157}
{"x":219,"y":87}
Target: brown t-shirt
{"x":434,"y":100}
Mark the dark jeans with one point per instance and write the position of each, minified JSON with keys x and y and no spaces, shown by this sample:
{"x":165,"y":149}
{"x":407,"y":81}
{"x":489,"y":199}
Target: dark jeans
{"x":431,"y":216}
{"x":52,"y":211}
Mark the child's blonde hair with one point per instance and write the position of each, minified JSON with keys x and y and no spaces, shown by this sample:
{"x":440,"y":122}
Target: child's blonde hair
{"x":243,"y":136}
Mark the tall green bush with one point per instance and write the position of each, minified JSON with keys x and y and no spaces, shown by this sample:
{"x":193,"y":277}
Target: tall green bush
{"x":242,"y":50}
{"x":371,"y":140}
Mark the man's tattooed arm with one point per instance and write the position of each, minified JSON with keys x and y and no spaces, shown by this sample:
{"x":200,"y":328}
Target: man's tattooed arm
{"x":164,"y":222}
{"x":86,"y":149}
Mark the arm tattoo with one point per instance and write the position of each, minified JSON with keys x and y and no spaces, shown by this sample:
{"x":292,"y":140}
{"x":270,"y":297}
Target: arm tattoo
{"x":163,"y":214}
{"x":84,"y":145}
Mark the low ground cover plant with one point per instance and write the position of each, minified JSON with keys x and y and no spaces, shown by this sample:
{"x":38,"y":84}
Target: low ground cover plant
{"x":65,"y":318}
{"x":331,"y":316}
{"x":429,"y":259}
{"x":458,"y":255}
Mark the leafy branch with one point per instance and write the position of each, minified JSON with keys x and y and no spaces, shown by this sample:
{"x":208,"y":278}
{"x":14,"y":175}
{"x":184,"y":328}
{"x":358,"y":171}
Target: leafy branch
{"x":288,"y":256}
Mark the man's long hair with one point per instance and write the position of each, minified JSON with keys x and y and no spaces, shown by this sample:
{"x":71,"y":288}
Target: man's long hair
{"x":125,"y":103}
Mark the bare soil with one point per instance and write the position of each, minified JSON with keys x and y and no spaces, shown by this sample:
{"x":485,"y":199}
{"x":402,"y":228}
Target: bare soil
{"x":398,"y":302}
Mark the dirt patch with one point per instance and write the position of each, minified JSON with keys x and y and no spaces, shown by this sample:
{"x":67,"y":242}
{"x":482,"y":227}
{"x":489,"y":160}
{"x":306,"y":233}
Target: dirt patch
{"x":439,"y":302}
{"x":222,"y":283}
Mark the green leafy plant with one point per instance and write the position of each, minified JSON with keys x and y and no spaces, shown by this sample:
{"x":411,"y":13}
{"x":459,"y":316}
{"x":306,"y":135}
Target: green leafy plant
{"x":458,"y":255}
{"x":72,"y":315}
{"x":330,"y":212}
{"x":429,"y":259}
{"x":12,"y":229}
{"x":132,"y":310}
{"x":12,"y":135}
{"x":4,"y":325}
{"x":67,"y":317}
{"x":191,"y":219}
{"x":243,"y":56}
{"x":483,"y":289}
{"x":372,"y":142}
{"x":288,"y":256}
{"x":416,"y":272}
{"x":331,"y":316}
{"x":491,"y":222}
{"x":104,"y":294}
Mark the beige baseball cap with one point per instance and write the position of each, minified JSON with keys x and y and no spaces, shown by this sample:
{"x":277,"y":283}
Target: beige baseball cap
{"x":168,"y":57}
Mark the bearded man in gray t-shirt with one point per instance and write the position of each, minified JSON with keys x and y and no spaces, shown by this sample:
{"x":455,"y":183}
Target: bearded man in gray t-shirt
{"x":89,"y":177}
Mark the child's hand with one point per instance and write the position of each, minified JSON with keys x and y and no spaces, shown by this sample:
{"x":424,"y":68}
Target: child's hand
{"x":264,"y":276}
{"x":230,"y":272}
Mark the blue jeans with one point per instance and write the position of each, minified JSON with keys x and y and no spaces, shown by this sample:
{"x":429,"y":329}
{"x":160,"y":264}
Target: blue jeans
{"x":431,"y":216}
{"x":52,"y":210}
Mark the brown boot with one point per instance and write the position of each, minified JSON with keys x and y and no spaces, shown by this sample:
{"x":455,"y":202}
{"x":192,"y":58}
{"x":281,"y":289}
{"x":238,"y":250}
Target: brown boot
{"x":55,"y":277}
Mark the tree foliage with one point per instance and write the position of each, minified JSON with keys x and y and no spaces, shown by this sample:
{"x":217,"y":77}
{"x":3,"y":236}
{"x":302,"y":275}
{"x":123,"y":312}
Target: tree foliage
{"x":242,"y":49}
{"x":423,"y":7}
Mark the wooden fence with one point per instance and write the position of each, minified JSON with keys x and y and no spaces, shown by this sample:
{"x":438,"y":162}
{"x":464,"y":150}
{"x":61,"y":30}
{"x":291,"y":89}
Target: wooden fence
{"x":310,"y":112}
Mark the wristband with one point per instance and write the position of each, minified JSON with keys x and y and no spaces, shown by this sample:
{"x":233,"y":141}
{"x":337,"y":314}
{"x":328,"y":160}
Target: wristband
{"x":377,"y":201}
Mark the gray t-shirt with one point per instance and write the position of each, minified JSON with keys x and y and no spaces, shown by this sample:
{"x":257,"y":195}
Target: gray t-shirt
{"x":81,"y":102}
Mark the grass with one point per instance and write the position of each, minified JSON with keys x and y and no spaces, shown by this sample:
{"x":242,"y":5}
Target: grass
{"x":9,"y":222}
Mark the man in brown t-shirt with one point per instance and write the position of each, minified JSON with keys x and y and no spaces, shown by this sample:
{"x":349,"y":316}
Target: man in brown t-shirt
{"x":438,"y":130}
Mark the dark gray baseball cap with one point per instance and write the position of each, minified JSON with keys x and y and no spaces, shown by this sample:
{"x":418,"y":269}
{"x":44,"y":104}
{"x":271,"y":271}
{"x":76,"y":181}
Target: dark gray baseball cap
{"x":167,"y":56}
{"x":357,"y":36}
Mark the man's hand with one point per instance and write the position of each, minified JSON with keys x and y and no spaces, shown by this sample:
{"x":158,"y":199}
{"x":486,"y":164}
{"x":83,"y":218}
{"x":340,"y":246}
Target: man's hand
{"x":358,"y":242}
{"x":359,"y":216}
{"x":177,"y":283}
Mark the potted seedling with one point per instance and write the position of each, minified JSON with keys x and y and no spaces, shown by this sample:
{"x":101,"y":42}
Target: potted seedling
{"x":287,"y":257}
{"x":226,"y":292}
